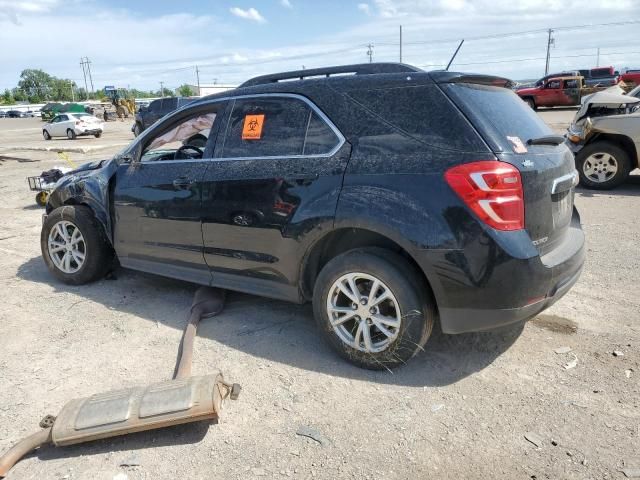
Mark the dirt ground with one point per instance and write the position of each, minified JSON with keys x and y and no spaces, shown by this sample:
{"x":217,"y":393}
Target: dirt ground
{"x":465,"y":408}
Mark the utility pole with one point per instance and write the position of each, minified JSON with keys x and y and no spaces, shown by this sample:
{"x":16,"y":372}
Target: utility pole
{"x":198,"y":78}
{"x":89,"y":70}
{"x":400,"y":43}
{"x":162,"y":89}
{"x":85,"y":63}
{"x":84,"y":72}
{"x":550,"y":42}
{"x":598,"y":58}
{"x":370,"y":52}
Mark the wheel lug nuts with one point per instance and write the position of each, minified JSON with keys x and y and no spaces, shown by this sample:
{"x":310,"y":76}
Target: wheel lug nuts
{"x":363,"y":301}
{"x":357,"y":318}
{"x":369,"y":322}
{"x":354,"y":306}
{"x":372,"y":310}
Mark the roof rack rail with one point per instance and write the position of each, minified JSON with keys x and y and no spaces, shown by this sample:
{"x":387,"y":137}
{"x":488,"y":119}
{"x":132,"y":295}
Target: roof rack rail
{"x":357,"y":69}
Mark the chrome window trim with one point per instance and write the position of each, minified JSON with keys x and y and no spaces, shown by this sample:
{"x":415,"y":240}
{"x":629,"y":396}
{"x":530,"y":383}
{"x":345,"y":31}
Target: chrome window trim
{"x":313,"y":106}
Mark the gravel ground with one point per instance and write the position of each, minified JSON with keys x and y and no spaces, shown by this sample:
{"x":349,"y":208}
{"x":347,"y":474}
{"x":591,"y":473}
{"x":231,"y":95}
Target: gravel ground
{"x":492,"y":405}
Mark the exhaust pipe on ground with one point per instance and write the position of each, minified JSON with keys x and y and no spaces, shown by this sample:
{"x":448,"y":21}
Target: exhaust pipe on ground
{"x":182,"y":400}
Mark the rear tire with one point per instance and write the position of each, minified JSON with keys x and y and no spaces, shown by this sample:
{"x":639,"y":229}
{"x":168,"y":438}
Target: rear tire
{"x":602,"y":166}
{"x":71,"y":135}
{"x":98,"y":135}
{"x":407,"y":314}
{"x":89,"y":259}
{"x":46,"y":135}
{"x":531,"y":102}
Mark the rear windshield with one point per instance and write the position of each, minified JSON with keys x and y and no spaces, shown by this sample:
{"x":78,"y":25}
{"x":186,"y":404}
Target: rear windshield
{"x":498,"y":113}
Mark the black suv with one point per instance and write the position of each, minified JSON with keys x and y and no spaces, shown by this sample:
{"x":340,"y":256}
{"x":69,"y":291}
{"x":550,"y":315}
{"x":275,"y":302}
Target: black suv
{"x":389,"y":197}
{"x":148,"y":115}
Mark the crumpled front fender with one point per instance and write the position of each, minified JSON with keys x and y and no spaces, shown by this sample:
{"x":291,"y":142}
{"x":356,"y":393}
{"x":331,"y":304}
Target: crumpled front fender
{"x":86,"y":187}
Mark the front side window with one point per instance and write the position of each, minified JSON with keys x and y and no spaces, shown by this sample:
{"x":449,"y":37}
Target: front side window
{"x":184,"y":141}
{"x":276,"y":127}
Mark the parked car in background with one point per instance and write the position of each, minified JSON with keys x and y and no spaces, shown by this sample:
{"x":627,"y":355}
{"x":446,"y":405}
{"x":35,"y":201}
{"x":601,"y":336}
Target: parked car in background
{"x":554,"y":92}
{"x":3,"y":114}
{"x":568,"y":73}
{"x":317,"y":187}
{"x":72,"y":125}
{"x":147,"y":116}
{"x":15,"y":114}
{"x":605,"y":138}
{"x":631,"y":77}
{"x":600,"y":76}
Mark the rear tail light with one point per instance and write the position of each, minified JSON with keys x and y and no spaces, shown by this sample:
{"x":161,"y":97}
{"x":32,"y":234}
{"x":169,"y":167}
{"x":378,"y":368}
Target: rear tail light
{"x":493,"y":190}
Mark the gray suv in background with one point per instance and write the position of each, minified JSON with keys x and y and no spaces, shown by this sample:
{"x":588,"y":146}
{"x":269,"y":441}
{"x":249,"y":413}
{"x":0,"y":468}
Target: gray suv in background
{"x":147,"y":116}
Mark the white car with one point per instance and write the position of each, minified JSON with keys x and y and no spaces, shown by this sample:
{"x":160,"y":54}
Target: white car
{"x":72,"y":125}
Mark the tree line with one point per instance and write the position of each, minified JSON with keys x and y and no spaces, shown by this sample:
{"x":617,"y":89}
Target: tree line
{"x":37,"y":86}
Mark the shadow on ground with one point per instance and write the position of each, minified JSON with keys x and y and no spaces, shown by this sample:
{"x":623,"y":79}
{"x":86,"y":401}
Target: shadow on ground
{"x":186,"y":434}
{"x":630,"y":188}
{"x":278,"y":331}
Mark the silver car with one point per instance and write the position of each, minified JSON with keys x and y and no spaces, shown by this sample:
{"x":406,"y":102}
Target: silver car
{"x":605,"y":138}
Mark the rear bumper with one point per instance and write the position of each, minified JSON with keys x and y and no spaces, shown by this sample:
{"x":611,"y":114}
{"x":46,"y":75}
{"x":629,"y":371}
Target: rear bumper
{"x":493,"y":283}
{"x":461,"y":320}
{"x":91,"y":131}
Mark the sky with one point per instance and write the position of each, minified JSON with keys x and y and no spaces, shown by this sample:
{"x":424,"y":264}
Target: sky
{"x":141,"y":43}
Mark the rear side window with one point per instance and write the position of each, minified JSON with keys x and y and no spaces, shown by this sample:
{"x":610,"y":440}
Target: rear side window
{"x":497,"y":113}
{"x":268,"y":127}
{"x":320,"y":139}
{"x":424,"y":113}
{"x":155,"y":105}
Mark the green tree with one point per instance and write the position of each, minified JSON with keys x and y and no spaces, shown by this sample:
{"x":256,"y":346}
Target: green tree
{"x":7,"y":97}
{"x":36,"y":84}
{"x":19,"y":95}
{"x":185,"y":91}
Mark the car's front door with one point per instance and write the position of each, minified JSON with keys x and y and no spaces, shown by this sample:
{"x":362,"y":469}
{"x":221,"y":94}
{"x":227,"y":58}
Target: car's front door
{"x":276,"y":178}
{"x":157,"y":199}
{"x":549,"y":95}
{"x":57,"y":126}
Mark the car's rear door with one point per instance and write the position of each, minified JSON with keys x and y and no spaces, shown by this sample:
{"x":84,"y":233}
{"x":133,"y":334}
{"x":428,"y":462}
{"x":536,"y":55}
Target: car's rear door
{"x":157,"y":225}
{"x":275,"y":178}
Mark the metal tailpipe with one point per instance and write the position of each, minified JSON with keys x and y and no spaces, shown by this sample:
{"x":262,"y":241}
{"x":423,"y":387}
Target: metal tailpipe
{"x":181,"y":400}
{"x":23,"y":447}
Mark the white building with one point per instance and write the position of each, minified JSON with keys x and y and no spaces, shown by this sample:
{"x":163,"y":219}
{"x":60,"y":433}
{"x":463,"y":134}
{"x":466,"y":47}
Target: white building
{"x":210,"y":88}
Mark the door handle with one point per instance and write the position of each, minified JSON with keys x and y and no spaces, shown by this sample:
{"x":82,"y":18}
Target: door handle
{"x":182,"y":183}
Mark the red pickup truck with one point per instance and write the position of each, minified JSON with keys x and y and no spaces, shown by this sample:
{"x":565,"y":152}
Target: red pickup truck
{"x":554,"y":92}
{"x":631,"y":77}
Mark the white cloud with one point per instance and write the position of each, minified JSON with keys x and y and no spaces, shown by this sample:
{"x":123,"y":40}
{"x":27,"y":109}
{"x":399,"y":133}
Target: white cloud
{"x":11,"y":9}
{"x":286,"y":3}
{"x":365,"y":8}
{"x":248,"y":14}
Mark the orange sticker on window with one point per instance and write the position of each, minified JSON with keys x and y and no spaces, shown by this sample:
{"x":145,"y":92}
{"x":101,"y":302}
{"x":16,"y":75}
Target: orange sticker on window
{"x":252,"y":129}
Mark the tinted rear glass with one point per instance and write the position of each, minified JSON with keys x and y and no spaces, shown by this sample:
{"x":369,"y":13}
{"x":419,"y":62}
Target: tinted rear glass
{"x":498,"y":113}
{"x":424,"y":113}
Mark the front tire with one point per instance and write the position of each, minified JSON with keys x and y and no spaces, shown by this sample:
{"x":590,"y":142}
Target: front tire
{"x":46,"y":135}
{"x":602,"y":166}
{"x":74,"y":246}
{"x":71,"y":135}
{"x":98,"y":135}
{"x":373,"y":308}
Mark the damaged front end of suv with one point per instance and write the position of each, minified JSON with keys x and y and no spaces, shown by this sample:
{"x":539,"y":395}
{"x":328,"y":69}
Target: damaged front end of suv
{"x":605,"y":138}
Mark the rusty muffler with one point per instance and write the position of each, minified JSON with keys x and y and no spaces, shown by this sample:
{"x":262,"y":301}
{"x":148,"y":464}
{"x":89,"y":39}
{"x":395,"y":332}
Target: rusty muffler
{"x":184,"y":399}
